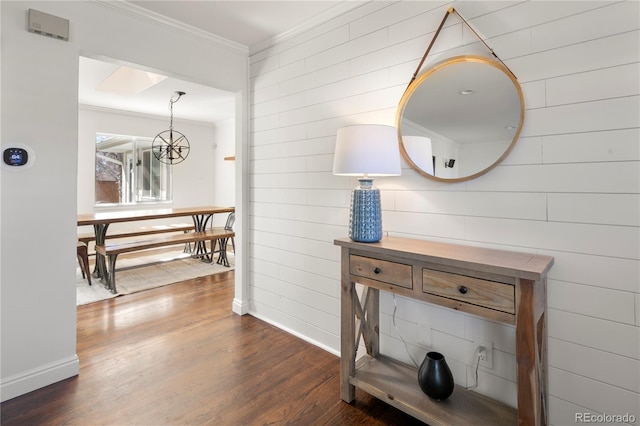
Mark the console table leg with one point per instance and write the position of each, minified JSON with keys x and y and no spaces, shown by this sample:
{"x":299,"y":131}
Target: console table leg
{"x":348,"y":336}
{"x":531,"y":353}
{"x":372,"y":327}
{"x":357,"y":320}
{"x":348,"y":300}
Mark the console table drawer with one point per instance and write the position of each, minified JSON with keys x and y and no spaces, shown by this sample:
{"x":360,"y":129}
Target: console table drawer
{"x":475,"y":291}
{"x":393,"y":273}
{"x":503,"y":286}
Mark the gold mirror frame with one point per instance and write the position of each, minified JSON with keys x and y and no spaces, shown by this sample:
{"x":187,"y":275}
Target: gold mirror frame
{"x":416,"y":83}
{"x":440,"y":67}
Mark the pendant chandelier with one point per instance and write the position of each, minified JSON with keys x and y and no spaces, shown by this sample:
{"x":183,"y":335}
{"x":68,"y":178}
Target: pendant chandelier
{"x":171,"y":146}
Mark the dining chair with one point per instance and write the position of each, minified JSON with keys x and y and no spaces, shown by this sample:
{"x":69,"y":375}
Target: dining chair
{"x":222,"y":242}
{"x":231,"y":220}
{"x":83,"y":259}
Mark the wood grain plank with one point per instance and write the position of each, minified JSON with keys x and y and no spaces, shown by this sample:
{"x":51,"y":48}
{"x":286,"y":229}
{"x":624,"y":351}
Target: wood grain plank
{"x":486,"y":293}
{"x":482,"y":259}
{"x":179,"y":355}
{"x":400,"y":383}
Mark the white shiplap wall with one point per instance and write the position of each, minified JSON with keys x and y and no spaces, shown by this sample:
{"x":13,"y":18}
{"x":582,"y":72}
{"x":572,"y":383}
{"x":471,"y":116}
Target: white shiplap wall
{"x":569,"y":189}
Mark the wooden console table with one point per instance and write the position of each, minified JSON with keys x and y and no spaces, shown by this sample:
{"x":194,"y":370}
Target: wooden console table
{"x":504,"y":286}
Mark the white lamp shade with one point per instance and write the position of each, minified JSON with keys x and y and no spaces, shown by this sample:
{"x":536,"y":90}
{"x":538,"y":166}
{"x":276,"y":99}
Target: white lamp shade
{"x":368,"y":149}
{"x":418,"y":149}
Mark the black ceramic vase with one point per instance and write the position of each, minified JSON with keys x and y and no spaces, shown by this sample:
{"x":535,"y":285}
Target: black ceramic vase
{"x":434,"y":376}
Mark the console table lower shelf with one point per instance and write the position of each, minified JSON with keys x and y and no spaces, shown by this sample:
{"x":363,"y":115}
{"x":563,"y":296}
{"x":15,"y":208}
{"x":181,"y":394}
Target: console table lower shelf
{"x":496,"y":285}
{"x":397,"y":384}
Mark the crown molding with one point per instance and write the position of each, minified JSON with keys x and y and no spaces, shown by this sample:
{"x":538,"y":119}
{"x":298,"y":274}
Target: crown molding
{"x":321,"y":18}
{"x":140,"y":12}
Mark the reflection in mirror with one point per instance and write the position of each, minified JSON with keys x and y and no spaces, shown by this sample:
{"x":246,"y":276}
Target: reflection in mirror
{"x":127,"y":172}
{"x":470,"y":108}
{"x":418,"y":148}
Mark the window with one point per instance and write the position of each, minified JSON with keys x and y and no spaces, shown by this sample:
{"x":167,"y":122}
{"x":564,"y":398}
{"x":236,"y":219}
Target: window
{"x":127,"y":171}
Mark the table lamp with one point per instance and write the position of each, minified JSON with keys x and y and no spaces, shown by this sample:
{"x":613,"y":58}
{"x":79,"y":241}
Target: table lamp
{"x":366,"y":150}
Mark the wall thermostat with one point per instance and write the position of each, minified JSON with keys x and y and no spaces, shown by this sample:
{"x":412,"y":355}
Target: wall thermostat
{"x":17,"y":156}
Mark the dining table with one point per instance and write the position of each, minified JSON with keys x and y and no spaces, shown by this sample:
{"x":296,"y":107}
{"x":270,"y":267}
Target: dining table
{"x":101,"y":220}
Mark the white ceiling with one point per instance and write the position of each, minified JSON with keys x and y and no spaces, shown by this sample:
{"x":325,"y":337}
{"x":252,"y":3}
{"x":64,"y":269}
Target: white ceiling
{"x":200,"y":103}
{"x":253,"y":24}
{"x":248,"y":23}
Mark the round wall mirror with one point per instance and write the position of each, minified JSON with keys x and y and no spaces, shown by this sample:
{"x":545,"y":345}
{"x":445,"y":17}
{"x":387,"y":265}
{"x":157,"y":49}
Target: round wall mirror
{"x":460,"y":118}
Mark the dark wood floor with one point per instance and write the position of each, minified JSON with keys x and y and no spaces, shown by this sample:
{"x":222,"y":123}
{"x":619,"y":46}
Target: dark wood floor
{"x":177,"y":355}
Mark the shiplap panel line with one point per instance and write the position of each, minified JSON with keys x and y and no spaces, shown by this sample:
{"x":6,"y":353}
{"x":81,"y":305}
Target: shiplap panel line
{"x":274,"y":225}
{"x":568,"y":417}
{"x":336,"y":90}
{"x":576,"y":133}
{"x":599,"y":271}
{"x":575,"y":44}
{"x":316,"y":111}
{"x":337,"y":110}
{"x":583,"y":102}
{"x":323,"y":266}
{"x":528,"y":53}
{"x":303,"y":295}
{"x":604,"y":287}
{"x":563,"y":413}
{"x":604,"y":303}
{"x":594,"y":332}
{"x":296,"y":259}
{"x":581,"y":57}
{"x":631,"y":227}
{"x":311,"y":314}
{"x":337,"y":50}
{"x":596,"y":317}
{"x":594,"y":208}
{"x":579,"y":359}
{"x":315,"y":32}
{"x":588,"y":392}
{"x":529,"y":16}
{"x":290,"y":323}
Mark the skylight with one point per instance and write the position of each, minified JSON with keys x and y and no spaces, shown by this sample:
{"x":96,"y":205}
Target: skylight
{"x":129,"y":81}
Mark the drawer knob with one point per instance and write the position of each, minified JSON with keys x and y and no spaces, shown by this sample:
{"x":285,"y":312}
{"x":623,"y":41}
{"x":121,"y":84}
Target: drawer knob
{"x":462,"y":289}
{"x":377,"y":270}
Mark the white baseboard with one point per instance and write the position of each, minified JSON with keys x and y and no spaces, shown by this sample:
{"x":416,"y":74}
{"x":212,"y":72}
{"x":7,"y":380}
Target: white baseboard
{"x":240,"y":307}
{"x":297,"y":334}
{"x":37,"y":378}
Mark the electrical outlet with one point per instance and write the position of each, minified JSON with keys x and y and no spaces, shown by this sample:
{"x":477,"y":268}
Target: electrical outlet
{"x":483,"y":350}
{"x":482,"y":353}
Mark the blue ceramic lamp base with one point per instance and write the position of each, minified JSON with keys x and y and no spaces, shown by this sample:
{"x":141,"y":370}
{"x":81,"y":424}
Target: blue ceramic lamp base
{"x":365,"y":223}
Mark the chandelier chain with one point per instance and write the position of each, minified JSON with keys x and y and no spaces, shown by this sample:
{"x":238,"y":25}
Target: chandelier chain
{"x":171,"y":102}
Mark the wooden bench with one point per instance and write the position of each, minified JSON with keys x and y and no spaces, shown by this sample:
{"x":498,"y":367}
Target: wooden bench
{"x":111,"y":249}
{"x":145,"y":230}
